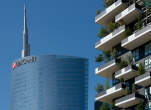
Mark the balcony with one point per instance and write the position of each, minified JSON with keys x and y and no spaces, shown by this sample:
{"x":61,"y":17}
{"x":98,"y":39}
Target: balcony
{"x":143,"y":80}
{"x":111,"y":40}
{"x":128,"y":15}
{"x":112,"y":93}
{"x":128,"y":101}
{"x":108,"y":14}
{"x":126,"y":73}
{"x":138,"y":38}
{"x":107,"y":69}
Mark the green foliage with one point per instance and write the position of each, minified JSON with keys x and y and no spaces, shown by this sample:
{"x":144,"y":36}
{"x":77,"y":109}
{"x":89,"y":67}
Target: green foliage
{"x":140,"y":106}
{"x":98,"y":11}
{"x":149,"y":10}
{"x":99,"y":88}
{"x":121,"y":80}
{"x":122,"y":64}
{"x":133,"y":88}
{"x":106,"y":86}
{"x":114,"y":53}
{"x":102,"y":33}
{"x":111,"y":26}
{"x":99,"y":58}
{"x":127,"y":90}
{"x":112,"y":105}
{"x":107,"y":55}
{"x":130,"y":59}
{"x":139,"y":24}
{"x":104,"y":107}
{"x":127,"y":32}
{"x":103,"y":57}
{"x":141,"y":69}
{"x":108,"y":3}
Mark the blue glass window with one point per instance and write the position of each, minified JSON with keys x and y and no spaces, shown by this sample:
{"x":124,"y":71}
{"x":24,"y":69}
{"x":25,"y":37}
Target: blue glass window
{"x":136,"y":54}
{"x":148,"y":49}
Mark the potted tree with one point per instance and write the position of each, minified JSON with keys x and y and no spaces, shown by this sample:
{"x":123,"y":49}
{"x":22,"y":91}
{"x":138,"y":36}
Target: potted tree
{"x":141,"y":69}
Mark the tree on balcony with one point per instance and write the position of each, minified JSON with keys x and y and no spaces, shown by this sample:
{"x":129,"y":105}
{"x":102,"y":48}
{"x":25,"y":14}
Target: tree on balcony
{"x":130,"y":59}
{"x":105,"y":56}
{"x":128,"y":32}
{"x":140,"y":106}
{"x":99,"y":58}
{"x":106,"y":86}
{"x":98,"y":11}
{"x":108,"y":3}
{"x":104,"y":106}
{"x":122,"y":63}
{"x":111,"y":26}
{"x":114,"y":107}
{"x":133,"y":88}
{"x":139,"y":23}
{"x":141,"y":69}
{"x":99,"y":88}
{"x":102,"y":33}
{"x":121,"y":80}
{"x":114,"y":53}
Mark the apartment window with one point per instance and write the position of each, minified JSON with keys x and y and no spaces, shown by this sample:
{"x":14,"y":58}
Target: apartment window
{"x":148,"y":49}
{"x":136,"y":54}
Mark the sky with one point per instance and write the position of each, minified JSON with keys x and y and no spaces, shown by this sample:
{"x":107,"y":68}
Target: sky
{"x":62,"y":27}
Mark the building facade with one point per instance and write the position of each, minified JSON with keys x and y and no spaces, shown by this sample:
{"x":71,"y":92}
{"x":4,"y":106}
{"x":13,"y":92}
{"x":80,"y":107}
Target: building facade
{"x":49,"y":82}
{"x":126,"y":35}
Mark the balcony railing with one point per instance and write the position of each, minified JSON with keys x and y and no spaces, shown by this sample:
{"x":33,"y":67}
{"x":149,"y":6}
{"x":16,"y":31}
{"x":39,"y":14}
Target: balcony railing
{"x":138,"y":38}
{"x":128,"y":101}
{"x":128,"y":15}
{"x":109,"y":94}
{"x":111,"y":66}
{"x":111,"y":40}
{"x":107,"y":69}
{"x":143,"y":80}
{"x":108,"y":14}
{"x":126,"y":73}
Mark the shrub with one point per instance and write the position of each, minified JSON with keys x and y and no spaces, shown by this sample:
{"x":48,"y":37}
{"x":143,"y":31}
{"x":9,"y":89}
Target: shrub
{"x":140,"y":106}
{"x":141,"y":69}
{"x":127,"y":32}
{"x":139,"y":24}
{"x":122,"y":64}
{"x":106,"y":86}
{"x":130,"y":59}
{"x":108,"y":3}
{"x":107,"y":55}
{"x":121,"y":80}
{"x":127,"y":90}
{"x":111,"y":26}
{"x":104,"y":106}
{"x":99,"y":88}
{"x":102,"y":33}
{"x":99,"y":58}
{"x":98,"y":11}
{"x":133,"y":88}
{"x":114,"y":53}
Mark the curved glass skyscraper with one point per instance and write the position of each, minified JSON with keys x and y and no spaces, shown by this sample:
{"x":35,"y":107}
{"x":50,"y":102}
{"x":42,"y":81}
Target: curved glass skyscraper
{"x":49,"y":82}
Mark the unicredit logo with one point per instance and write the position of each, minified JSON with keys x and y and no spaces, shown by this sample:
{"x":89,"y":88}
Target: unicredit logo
{"x":13,"y":65}
{"x":23,"y":61}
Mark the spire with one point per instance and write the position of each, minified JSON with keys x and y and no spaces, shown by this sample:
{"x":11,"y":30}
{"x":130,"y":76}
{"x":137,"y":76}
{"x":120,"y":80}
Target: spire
{"x":25,"y":20}
{"x":26,"y":46}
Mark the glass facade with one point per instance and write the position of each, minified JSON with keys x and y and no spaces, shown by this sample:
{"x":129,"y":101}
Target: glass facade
{"x":50,"y":83}
{"x":142,"y":51}
{"x":148,"y":49}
